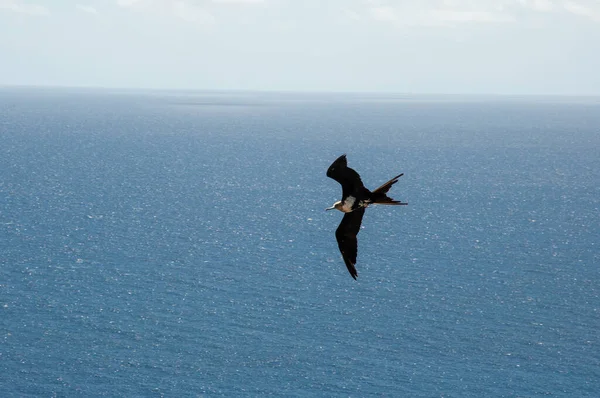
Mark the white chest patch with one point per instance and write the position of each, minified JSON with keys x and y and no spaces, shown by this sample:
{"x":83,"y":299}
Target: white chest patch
{"x":348,"y":203}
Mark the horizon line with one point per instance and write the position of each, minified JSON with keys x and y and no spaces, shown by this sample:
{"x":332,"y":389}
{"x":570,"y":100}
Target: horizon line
{"x":297,"y":92}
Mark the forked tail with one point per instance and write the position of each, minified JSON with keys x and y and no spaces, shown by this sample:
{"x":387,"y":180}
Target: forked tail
{"x":379,"y":197}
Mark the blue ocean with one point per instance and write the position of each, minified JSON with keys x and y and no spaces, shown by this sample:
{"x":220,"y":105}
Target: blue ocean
{"x":175,"y":243}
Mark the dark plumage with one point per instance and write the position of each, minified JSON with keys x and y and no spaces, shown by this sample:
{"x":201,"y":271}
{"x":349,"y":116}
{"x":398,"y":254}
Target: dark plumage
{"x":355,"y":199}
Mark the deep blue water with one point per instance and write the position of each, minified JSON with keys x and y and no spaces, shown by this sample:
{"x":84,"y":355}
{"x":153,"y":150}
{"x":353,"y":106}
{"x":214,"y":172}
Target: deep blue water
{"x":176,"y":244}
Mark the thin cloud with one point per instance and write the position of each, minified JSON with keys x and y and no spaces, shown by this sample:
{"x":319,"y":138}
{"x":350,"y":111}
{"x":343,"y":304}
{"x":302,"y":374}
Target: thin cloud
{"x":542,"y":5}
{"x":351,"y":15}
{"x":128,"y":3}
{"x":237,"y":1}
{"x":454,"y":12}
{"x":24,"y":8}
{"x":450,"y":14}
{"x":583,"y":11}
{"x":383,"y":13}
{"x":86,"y":9}
{"x":181,"y":9}
{"x":191,"y":13}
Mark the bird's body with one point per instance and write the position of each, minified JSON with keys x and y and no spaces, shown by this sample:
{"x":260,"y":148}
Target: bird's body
{"x":355,"y":199}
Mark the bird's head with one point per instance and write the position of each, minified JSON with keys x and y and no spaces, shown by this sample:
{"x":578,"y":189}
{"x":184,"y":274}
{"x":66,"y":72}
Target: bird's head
{"x":337,"y":205}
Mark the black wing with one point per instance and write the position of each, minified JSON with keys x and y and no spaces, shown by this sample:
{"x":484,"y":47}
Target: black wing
{"x":386,"y":187}
{"x":346,"y":238}
{"x":347,"y":177}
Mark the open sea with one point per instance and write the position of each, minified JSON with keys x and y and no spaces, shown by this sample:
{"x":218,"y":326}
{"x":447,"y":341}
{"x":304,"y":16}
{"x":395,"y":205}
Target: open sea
{"x":157,"y":243}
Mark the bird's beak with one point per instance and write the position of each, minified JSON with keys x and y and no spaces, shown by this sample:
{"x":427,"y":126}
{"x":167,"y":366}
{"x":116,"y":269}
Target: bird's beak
{"x":330,"y":208}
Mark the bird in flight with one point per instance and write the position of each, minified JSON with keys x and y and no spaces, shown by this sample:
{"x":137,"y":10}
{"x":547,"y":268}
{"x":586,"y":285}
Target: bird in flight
{"x":355,"y":199}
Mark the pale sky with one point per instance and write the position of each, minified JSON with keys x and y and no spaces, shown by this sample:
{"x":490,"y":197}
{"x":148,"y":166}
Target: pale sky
{"x":402,"y":46}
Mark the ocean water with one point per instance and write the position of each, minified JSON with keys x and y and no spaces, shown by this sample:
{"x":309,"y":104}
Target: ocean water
{"x":176,"y":244}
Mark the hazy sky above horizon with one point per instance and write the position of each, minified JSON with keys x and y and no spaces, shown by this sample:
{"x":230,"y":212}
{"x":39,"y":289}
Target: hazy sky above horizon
{"x":407,"y":46}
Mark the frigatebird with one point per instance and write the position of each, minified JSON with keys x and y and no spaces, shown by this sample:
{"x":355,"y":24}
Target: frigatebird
{"x":355,"y":199}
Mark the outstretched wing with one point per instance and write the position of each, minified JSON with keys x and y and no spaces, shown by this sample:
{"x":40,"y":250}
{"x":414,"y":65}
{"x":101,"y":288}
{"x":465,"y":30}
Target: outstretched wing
{"x":347,"y":177}
{"x":386,"y":187}
{"x":346,"y":238}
